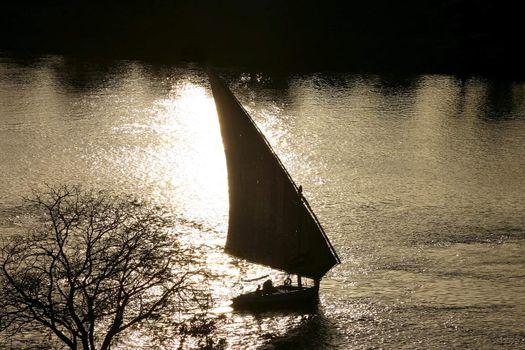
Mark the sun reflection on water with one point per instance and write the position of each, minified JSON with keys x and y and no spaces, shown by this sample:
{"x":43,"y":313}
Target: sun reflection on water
{"x":191,"y":165}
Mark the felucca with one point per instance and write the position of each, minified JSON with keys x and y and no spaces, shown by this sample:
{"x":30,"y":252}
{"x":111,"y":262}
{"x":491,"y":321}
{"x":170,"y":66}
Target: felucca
{"x":270,"y":221}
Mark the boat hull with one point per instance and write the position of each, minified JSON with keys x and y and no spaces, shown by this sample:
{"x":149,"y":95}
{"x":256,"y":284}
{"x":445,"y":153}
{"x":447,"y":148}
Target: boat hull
{"x":286,"y":297}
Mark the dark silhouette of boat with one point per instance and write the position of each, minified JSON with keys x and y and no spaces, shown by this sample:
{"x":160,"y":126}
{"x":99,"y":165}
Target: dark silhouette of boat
{"x":270,"y":221}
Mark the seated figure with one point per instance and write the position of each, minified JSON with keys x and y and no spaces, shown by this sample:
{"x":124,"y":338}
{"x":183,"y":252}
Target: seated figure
{"x":268,"y":287}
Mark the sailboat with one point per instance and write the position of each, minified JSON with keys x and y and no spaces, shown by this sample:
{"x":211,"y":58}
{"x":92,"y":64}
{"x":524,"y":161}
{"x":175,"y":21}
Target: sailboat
{"x":270,"y":221}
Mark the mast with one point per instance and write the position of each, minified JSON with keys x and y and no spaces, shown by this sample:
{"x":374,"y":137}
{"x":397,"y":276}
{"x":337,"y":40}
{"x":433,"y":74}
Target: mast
{"x":270,"y":222}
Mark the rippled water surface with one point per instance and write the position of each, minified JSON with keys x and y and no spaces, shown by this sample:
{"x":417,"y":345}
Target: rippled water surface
{"x":419,"y":182}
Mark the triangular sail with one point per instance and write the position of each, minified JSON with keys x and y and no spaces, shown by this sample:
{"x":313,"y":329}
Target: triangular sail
{"x":270,"y":222}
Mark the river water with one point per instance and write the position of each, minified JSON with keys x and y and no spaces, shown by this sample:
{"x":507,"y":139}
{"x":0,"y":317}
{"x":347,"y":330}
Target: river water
{"x":418,"y":180}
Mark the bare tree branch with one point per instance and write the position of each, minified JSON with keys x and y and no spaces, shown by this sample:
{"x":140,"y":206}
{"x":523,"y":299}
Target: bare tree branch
{"x":94,"y":266}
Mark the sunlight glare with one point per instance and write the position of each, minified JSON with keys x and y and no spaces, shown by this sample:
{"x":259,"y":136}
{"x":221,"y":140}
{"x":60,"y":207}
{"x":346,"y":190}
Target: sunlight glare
{"x":198,"y":174}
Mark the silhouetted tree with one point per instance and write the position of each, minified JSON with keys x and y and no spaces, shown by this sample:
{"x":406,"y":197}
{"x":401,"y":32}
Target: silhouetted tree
{"x":94,"y":266}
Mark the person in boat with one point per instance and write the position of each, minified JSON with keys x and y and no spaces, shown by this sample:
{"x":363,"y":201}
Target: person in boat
{"x":268,"y":287}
